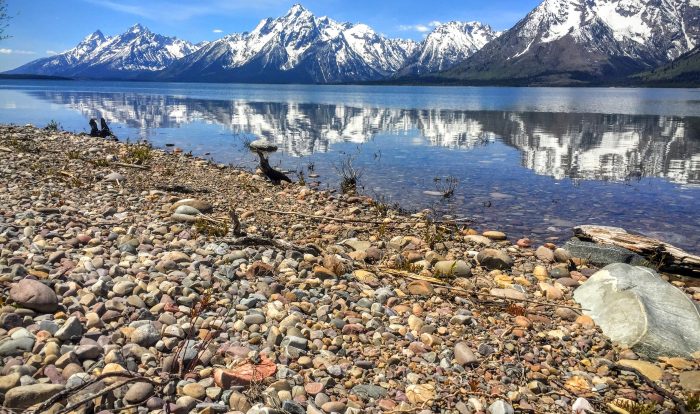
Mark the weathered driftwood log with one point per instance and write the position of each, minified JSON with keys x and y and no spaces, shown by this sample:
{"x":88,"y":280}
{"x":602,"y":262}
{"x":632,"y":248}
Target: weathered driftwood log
{"x":105,"y":131}
{"x":665,"y":256}
{"x":274,"y":175}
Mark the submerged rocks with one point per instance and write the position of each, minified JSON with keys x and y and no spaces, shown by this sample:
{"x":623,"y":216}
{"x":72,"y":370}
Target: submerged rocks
{"x":32,"y":294}
{"x":638,"y":309}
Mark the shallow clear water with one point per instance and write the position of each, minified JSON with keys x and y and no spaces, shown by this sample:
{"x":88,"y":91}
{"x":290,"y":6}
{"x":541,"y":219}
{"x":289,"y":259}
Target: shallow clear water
{"x":529,"y":161}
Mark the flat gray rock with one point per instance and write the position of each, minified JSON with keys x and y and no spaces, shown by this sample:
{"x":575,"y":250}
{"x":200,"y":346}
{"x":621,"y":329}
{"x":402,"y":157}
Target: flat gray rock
{"x":262,"y":145}
{"x":638,"y":309}
{"x":603,"y":255}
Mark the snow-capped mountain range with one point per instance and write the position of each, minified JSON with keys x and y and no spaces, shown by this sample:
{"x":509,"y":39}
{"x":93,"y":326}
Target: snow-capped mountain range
{"x":559,"y":42}
{"x":134,"y":53}
{"x":297,"y":47}
{"x":449,"y":44}
{"x":576,"y":40}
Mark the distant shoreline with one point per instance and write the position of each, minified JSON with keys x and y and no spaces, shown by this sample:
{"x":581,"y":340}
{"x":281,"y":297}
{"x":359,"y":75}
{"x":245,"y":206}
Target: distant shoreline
{"x":32,"y":77}
{"x":408,"y":82}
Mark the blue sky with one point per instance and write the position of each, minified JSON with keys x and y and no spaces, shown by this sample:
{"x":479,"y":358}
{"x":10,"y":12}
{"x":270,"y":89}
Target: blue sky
{"x":43,"y":27}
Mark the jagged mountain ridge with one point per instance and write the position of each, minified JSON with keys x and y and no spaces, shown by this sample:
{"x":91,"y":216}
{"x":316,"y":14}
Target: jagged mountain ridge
{"x":297,"y":47}
{"x":560,"y":42}
{"x":577,"y":41}
{"x":447,"y":45}
{"x":132,"y":54}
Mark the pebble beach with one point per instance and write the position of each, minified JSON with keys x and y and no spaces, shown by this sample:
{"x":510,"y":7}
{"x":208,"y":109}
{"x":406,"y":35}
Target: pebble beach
{"x":136,"y":280}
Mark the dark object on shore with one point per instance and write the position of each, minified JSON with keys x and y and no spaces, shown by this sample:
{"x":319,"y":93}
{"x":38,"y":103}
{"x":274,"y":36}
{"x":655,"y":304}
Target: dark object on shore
{"x":236,"y":224}
{"x":104,"y":132}
{"x":274,"y":175}
{"x":94,"y":131}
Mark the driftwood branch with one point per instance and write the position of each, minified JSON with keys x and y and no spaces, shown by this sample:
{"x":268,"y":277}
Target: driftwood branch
{"x":123,"y":164}
{"x":71,"y":391}
{"x":667,"y":256}
{"x":74,"y":406}
{"x":680,"y":404}
{"x":321,"y":218}
{"x":474,"y":294}
{"x":280,"y":244}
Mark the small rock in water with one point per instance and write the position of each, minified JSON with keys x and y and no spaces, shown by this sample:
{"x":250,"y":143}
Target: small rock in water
{"x":494,"y":235}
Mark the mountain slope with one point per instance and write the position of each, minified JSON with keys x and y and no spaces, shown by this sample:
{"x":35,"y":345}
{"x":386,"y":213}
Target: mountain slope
{"x":129,"y":55}
{"x":297,"y":47}
{"x":584,"y":41}
{"x":447,"y":45}
{"x":683,"y":71}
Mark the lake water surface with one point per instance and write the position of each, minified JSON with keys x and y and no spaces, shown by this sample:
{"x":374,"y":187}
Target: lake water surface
{"x":530,"y":161}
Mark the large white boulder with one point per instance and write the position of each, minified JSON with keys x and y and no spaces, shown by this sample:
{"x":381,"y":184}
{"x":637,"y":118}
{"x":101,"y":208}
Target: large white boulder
{"x":636,"y":308}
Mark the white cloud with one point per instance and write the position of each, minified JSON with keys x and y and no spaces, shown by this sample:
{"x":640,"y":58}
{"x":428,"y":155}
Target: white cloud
{"x":420,"y":28}
{"x":52,"y":52}
{"x":153,"y":9}
{"x":217,"y":31}
{"x":5,"y":51}
{"x":414,"y":28}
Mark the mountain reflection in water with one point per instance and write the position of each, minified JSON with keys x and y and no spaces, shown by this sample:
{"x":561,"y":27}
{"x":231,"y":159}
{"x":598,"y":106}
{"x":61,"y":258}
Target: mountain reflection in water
{"x":560,"y":145}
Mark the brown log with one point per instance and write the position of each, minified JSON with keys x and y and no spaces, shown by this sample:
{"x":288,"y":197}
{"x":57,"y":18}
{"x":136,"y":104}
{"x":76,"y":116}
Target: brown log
{"x":664,"y":255}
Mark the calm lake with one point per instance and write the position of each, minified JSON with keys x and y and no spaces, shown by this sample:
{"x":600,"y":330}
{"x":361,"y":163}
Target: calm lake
{"x":529,"y":161}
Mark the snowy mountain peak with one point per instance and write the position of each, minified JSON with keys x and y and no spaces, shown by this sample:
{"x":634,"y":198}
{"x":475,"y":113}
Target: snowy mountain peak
{"x":646,"y":23}
{"x":300,"y":47}
{"x":137,"y":28}
{"x":97,"y":35}
{"x":449,"y":44}
{"x":136,"y":51}
{"x":296,"y":10}
{"x":587,"y":41}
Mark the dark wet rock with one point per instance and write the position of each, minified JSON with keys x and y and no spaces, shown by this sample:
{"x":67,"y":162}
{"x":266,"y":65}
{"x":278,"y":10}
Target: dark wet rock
{"x":603,"y":255}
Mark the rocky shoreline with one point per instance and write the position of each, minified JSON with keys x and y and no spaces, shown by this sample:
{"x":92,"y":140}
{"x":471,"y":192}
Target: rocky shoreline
{"x":140,"y":280}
